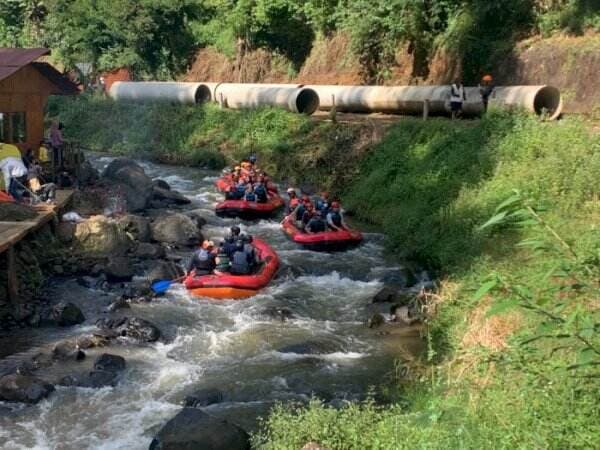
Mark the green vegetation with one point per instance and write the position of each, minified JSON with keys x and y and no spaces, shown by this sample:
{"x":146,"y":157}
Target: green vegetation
{"x":157,"y":38}
{"x":523,"y":377}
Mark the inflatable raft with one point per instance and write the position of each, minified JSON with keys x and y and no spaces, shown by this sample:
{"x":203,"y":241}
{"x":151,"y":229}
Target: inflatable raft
{"x":326,"y":241}
{"x":249,"y":210}
{"x":224,"y":182}
{"x":237,"y":286}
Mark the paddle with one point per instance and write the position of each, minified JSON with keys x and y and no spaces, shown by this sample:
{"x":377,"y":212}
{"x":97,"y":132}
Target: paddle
{"x":162,"y":286}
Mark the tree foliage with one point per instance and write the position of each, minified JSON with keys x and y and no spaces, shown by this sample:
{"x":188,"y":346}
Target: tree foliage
{"x":158,"y":37}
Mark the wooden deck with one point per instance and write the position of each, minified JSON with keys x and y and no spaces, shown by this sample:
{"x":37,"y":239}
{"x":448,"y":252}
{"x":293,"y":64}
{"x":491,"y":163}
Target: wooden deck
{"x":13,"y":232}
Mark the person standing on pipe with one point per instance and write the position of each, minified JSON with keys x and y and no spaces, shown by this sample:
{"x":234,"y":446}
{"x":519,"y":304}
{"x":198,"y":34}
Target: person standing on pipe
{"x":486,"y":88}
{"x":457,"y":96}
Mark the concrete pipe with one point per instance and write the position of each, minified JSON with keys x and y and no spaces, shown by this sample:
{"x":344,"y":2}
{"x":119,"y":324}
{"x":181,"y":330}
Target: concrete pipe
{"x":165,"y":91}
{"x":291,"y":97}
{"x":411,"y":99}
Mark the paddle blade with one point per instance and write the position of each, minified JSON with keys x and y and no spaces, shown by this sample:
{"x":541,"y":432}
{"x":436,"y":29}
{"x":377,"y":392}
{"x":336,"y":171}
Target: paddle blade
{"x":160,"y":287}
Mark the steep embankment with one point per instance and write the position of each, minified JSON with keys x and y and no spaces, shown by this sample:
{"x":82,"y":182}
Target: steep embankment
{"x":569,"y":63}
{"x":517,"y":380}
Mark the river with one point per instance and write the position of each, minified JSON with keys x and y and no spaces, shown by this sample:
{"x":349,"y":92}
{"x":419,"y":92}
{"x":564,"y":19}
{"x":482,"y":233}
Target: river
{"x":232,"y":345}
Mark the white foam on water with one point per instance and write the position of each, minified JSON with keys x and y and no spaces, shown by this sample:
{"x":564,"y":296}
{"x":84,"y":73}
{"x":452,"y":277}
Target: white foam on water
{"x":335,"y":356}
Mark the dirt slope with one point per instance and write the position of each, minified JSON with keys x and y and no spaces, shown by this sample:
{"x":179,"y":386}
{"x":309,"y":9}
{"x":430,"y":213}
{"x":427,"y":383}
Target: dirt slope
{"x":571,"y":64}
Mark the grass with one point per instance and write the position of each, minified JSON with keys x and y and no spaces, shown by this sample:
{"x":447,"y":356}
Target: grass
{"x":429,"y":186}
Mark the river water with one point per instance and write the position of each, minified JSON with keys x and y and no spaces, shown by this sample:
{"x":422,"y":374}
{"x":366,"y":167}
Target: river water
{"x":233,"y":346}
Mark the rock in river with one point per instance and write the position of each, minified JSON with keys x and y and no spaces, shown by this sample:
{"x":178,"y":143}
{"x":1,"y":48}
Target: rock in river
{"x":176,"y":229}
{"x":193,"y":429}
{"x":134,"y":328}
{"x":100,"y":236}
{"x":67,"y":314}
{"x":129,"y":180}
{"x":204,"y":397}
{"x":23,"y":388}
{"x":169,"y":196}
{"x":106,"y":373}
{"x":118,"y":269}
{"x":110,"y":363}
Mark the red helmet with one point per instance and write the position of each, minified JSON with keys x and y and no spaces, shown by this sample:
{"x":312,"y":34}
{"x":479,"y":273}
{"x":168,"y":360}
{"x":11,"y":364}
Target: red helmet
{"x":335,"y":205}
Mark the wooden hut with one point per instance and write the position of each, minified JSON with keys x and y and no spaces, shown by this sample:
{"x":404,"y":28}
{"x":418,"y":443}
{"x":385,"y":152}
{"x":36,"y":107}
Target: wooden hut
{"x":25,"y":84}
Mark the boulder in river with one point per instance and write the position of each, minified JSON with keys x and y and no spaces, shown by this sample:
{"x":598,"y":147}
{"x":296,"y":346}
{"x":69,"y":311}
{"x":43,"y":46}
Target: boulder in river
{"x":171,"y":197}
{"x":68,"y":350}
{"x":23,"y":388}
{"x":176,"y":229}
{"x":110,"y":363}
{"x":66,"y":314}
{"x":193,"y":429}
{"x":134,"y":328}
{"x":161,"y":184}
{"x":310,"y":348}
{"x":204,"y":397}
{"x":197,"y":215}
{"x":149,"y":251}
{"x":119,"y":269}
{"x":128,"y":179}
{"x":105,"y":373}
{"x":100,"y":236}
{"x":164,"y":271}
{"x":137,"y":227}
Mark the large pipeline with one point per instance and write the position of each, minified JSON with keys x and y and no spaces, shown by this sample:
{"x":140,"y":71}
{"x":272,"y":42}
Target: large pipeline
{"x":412,"y":99}
{"x":291,"y":97}
{"x":166,"y":91}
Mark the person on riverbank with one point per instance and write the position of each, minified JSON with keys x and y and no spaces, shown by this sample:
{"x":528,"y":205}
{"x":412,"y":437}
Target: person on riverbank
{"x":316,"y":224}
{"x":486,"y":89}
{"x":45,"y":192}
{"x":13,"y":171}
{"x":203,"y":260}
{"x":457,"y":96}
{"x":335,"y":218}
{"x":56,"y":142}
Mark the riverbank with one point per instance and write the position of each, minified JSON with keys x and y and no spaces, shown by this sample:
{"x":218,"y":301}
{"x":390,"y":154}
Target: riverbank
{"x":485,"y":381}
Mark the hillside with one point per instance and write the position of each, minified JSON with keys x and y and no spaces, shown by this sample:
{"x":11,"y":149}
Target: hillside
{"x":570,"y":63}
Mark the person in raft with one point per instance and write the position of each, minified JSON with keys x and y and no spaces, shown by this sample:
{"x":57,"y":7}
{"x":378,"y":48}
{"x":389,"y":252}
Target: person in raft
{"x":293,"y":201}
{"x":222,"y":261}
{"x":335,"y":218}
{"x":203,"y":260}
{"x":241,"y":261}
{"x":316,"y":224}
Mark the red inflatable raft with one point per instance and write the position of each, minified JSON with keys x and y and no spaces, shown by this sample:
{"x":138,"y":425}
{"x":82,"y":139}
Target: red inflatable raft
{"x":237,"y":286}
{"x":224,"y":183}
{"x":249,"y":210}
{"x":325,"y":241}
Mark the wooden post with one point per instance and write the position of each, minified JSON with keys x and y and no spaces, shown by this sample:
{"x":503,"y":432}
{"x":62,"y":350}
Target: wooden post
{"x":221,"y":101}
{"x":425,"y":109}
{"x":13,"y":281}
{"x":333,"y":112}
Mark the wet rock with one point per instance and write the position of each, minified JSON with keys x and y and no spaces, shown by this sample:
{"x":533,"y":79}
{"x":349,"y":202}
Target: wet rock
{"x":197,"y":215}
{"x":100,"y":236}
{"x":109,"y":363}
{"x":149,"y":251}
{"x":134,"y":328}
{"x":119,"y":269}
{"x":120,"y":303}
{"x":130,"y":181}
{"x":164,"y":271}
{"x":87,"y":282}
{"x":92,"y":341}
{"x":95,"y":379}
{"x":23,"y":388}
{"x":274,"y":312}
{"x":68,"y":350}
{"x":204,"y":397}
{"x":176,"y":229}
{"x":170,"y":197}
{"x":193,"y":429}
{"x":65,"y":232}
{"x":87,"y":174}
{"x":161,"y":184}
{"x":385,"y":294}
{"x":309,"y":348}
{"x":137,"y":227}
{"x":67,"y":314}
{"x":376,"y":320}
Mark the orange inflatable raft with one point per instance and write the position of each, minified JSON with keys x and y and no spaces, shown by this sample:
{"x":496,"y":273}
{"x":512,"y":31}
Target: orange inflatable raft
{"x":237,"y":286}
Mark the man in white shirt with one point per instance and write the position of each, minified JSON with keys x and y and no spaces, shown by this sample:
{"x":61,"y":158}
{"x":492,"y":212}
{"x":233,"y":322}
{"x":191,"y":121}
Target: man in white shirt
{"x":457,"y":97}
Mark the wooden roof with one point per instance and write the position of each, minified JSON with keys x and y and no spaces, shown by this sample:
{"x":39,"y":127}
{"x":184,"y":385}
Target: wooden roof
{"x":13,"y":59}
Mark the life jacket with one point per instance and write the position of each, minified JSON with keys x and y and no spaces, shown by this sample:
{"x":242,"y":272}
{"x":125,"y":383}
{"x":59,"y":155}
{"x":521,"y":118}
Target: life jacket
{"x":203,"y":261}
{"x":316,"y":225}
{"x":336,"y":218}
{"x":261,"y":193}
{"x":229,"y":247}
{"x":322,"y":205}
{"x":250,"y":252}
{"x":222,"y":262}
{"x":239,"y":263}
{"x":43,"y":154}
{"x":250,"y":197}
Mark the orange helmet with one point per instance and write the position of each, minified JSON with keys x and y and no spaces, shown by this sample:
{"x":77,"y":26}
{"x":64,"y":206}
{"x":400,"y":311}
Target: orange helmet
{"x":487,"y":78}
